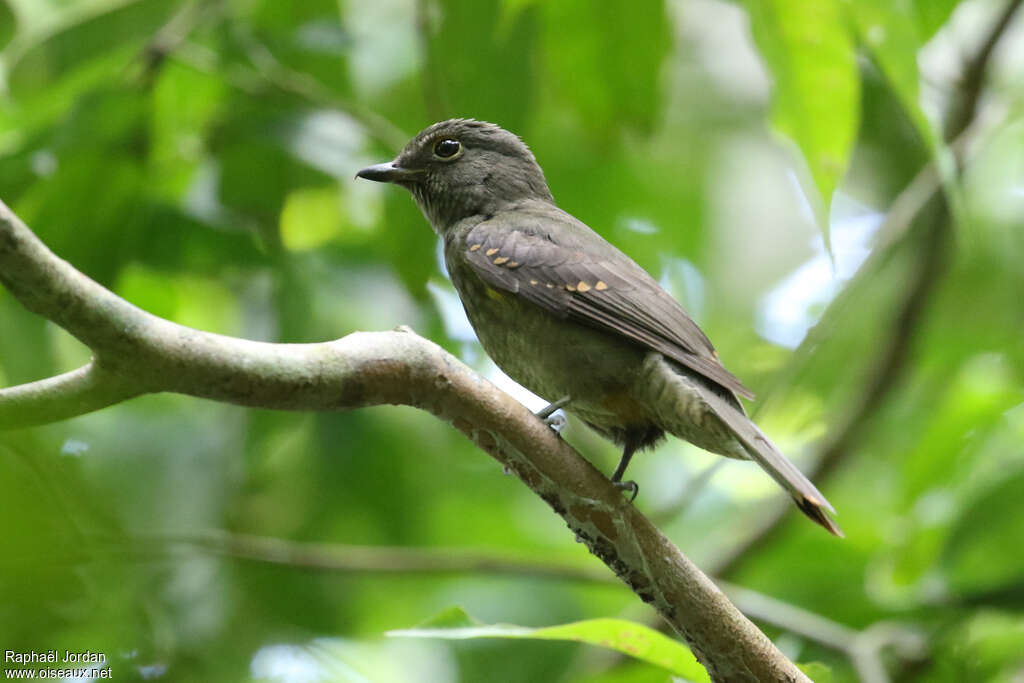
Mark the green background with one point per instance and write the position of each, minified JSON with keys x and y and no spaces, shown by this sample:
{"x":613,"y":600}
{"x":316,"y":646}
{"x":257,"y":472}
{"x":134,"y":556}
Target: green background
{"x":198,"y":159}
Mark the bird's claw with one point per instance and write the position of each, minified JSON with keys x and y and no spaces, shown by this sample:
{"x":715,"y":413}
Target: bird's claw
{"x":556,"y":422}
{"x":627,"y":486}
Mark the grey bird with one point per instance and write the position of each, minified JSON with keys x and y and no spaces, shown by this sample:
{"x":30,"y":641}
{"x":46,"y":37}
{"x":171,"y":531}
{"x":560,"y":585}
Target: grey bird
{"x":569,"y":316}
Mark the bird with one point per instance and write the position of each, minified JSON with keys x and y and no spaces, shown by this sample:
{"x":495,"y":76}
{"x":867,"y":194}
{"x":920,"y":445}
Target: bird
{"x":568,"y":315}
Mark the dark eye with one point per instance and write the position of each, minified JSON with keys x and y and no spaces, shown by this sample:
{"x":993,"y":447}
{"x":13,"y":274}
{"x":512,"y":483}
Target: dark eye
{"x":446,"y":149}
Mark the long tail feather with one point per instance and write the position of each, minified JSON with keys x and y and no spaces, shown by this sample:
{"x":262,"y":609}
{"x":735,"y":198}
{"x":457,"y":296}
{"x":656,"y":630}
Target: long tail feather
{"x":711,"y":417}
{"x":762,"y":451}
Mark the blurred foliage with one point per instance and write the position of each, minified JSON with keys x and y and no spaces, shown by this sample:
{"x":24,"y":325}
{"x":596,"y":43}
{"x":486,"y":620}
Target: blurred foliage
{"x":198,"y":159}
{"x":628,"y":637}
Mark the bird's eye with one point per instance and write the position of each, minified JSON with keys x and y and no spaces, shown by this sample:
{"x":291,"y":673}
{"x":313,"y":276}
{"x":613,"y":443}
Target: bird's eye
{"x":447,"y":149}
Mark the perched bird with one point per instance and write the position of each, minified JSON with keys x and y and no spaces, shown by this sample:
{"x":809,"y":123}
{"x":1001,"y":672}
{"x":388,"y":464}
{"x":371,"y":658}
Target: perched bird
{"x":569,"y":316}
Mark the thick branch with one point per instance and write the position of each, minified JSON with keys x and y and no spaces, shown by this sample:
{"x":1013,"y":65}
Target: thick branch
{"x":138,"y":353}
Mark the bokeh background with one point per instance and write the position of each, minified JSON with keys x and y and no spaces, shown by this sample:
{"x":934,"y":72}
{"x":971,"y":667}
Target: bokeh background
{"x":198,"y":159}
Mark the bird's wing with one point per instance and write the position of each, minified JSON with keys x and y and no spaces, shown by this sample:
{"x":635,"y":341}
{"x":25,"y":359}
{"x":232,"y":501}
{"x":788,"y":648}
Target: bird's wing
{"x":602,"y":288}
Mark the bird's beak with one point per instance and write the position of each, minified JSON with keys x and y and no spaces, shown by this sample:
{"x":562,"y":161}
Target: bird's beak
{"x":388,"y":172}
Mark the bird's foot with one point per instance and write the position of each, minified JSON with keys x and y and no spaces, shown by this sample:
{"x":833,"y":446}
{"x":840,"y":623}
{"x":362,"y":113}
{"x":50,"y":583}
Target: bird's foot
{"x":556,"y":422}
{"x":627,"y":486}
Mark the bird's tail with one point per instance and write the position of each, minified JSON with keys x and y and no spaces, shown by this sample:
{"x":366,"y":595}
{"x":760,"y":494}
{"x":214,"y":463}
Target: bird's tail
{"x":755,"y":445}
{"x":762,"y":451}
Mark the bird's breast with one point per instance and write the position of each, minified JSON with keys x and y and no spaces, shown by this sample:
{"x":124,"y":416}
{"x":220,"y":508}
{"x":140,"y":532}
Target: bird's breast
{"x":552,"y":356}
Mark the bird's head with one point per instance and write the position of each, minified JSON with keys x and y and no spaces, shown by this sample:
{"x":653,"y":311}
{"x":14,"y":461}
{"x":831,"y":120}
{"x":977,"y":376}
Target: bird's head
{"x":461,"y":168}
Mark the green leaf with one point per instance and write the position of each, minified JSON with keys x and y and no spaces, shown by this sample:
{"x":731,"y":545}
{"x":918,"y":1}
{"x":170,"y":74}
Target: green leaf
{"x":604,"y":61}
{"x":451,"y":617}
{"x":627,"y":637}
{"x":630,"y":638}
{"x":202,"y":303}
{"x":243,"y":145}
{"x":977,"y":556}
{"x":498,"y":83}
{"x":817,"y":672}
{"x":41,"y":62}
{"x":8,"y":24}
{"x":310,"y":218}
{"x":984,"y":646}
{"x":811,"y":57}
{"x":893,"y":35}
{"x":930,"y":15}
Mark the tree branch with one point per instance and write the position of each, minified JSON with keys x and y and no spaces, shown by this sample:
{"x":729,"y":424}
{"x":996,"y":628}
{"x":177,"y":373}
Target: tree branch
{"x":351,"y":559}
{"x":85,"y":390}
{"x":965,"y":108}
{"x":137,"y":353}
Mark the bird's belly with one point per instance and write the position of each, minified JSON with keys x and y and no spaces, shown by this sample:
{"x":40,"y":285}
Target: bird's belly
{"x":554,"y":357}
{"x":614,"y":385}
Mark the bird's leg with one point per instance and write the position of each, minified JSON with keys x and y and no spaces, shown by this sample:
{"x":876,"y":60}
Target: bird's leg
{"x":627,"y":454}
{"x":545,"y":413}
{"x":556,"y":422}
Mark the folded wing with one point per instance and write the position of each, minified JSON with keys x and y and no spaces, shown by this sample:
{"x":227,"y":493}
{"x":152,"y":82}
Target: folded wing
{"x":570,"y":276}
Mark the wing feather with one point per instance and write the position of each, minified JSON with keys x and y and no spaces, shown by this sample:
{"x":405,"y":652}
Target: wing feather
{"x":605,"y":290}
